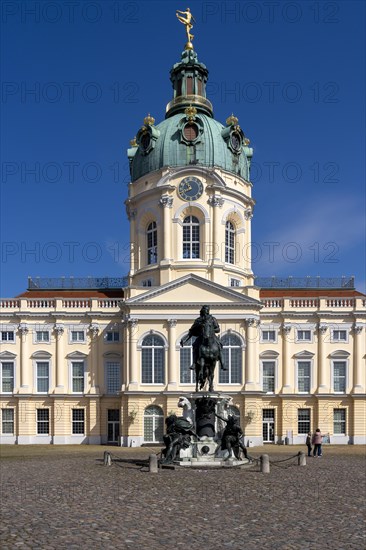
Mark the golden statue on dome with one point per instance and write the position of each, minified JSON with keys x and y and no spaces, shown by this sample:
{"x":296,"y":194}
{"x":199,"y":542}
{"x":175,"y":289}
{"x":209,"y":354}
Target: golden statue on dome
{"x":186,"y":18}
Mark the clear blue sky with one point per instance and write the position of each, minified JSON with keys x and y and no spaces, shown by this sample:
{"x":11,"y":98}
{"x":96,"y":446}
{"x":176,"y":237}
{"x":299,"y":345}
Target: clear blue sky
{"x":292,"y":72}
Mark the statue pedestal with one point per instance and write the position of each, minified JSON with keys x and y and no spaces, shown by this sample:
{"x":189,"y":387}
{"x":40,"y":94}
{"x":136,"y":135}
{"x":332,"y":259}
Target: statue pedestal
{"x":206,"y":452}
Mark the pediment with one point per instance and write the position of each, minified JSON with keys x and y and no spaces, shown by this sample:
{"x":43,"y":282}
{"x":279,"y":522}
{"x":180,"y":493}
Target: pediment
{"x":193,"y":290}
{"x":304,"y":355}
{"x":339,"y":353}
{"x":76,"y":355}
{"x":7,"y":355}
{"x":41,"y":355}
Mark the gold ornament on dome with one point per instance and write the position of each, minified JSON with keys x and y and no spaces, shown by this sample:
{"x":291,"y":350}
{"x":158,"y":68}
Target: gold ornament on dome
{"x":186,"y":18}
{"x":133,"y":142}
{"x":232,"y":120}
{"x":149,"y":120}
{"x":246,"y":141}
{"x":190,"y":112}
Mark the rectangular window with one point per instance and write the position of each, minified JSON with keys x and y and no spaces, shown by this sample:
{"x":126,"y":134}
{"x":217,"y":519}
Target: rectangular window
{"x":268,"y":335}
{"x":339,"y":376}
{"x":42,"y":376}
{"x":7,"y":377}
{"x":78,"y":421}
{"x":112,"y":336}
{"x":339,"y":421}
{"x":7,"y":336}
{"x":43,"y":421}
{"x":304,"y":335}
{"x":42,"y":336}
{"x":303,"y":421}
{"x":268,"y":376}
{"x":7,"y":419}
{"x":234,"y":282}
{"x":77,"y":336}
{"x":113,"y":377}
{"x":77,"y":368}
{"x":303,"y":376}
{"x":339,"y":336}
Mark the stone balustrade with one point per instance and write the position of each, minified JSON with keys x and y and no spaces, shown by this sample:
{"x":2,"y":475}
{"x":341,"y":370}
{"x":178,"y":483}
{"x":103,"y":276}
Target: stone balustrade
{"x":58,"y":304}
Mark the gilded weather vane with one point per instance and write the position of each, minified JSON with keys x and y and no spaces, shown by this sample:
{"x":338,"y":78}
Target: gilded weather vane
{"x":186,"y":18}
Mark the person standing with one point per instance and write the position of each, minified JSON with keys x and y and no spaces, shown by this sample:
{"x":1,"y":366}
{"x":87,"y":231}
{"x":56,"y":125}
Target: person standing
{"x":317,"y":442}
{"x":308,"y":443}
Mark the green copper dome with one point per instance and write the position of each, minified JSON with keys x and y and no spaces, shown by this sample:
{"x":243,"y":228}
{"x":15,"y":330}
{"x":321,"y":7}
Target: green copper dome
{"x":189,"y":135}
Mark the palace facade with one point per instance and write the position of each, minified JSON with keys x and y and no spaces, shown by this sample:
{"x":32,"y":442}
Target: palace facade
{"x":99,"y":360}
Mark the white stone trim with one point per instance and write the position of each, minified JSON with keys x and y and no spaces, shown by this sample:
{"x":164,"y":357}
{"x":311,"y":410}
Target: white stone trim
{"x":9,"y":328}
{"x":264,"y":359}
{"x":7,"y":357}
{"x":332,"y":360}
{"x":190,"y":204}
{"x":152,"y":332}
{"x":309,"y":357}
{"x":8,"y":439}
{"x":44,"y":358}
{"x":76,"y":358}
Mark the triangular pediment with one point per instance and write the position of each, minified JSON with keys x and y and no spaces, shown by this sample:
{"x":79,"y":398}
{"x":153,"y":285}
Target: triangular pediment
{"x":304,"y":355}
{"x":193,"y":290}
{"x":76,"y":355}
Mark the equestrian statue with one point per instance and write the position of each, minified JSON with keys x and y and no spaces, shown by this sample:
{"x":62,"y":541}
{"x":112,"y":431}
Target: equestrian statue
{"x":207,"y":348}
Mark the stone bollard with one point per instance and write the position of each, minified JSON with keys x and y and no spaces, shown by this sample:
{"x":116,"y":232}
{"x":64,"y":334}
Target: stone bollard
{"x":107,"y":458}
{"x":153,"y":464}
{"x":265,"y":464}
{"x":301,"y":461}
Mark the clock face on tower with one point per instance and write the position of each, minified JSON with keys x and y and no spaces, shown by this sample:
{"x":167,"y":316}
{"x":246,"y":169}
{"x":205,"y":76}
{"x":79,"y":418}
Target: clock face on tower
{"x":190,"y":189}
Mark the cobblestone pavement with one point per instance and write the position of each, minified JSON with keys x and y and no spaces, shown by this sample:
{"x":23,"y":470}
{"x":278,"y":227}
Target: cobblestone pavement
{"x":70,"y":500}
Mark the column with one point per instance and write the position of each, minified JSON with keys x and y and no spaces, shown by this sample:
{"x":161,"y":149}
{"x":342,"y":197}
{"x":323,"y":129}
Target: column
{"x":172,"y":376}
{"x":287,"y":379}
{"x":94,"y":386}
{"x":248,"y":215}
{"x":322,"y":374}
{"x":25,"y":363}
{"x":131,"y":214}
{"x":357,"y":360}
{"x":216,"y":202}
{"x":132,"y":339}
{"x":166,"y":202}
{"x":251,"y":358}
{"x":60,"y":367}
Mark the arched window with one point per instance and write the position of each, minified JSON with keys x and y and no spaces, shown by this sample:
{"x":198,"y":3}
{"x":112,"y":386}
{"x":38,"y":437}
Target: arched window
{"x":152,"y":361}
{"x":152,"y":243}
{"x":229,"y":243}
{"x":234,"y":411}
{"x":187,"y":376}
{"x":153,"y":424}
{"x":191,"y":237}
{"x":232,"y":356}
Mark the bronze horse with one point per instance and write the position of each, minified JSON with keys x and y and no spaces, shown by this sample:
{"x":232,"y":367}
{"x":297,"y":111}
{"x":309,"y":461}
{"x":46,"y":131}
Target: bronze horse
{"x":209,"y":352}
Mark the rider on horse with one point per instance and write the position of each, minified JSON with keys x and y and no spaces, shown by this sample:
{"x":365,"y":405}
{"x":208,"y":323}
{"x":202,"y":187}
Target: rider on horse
{"x":197,"y":330}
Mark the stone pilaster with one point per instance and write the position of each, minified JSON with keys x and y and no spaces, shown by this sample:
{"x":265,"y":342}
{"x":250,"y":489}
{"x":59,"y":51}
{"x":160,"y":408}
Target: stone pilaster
{"x":287,"y":378}
{"x":166,"y":202}
{"x":322,"y":371}
{"x":172,"y":370}
{"x":94,"y":385}
{"x":251,"y":356}
{"x":60,"y":366}
{"x":357,"y":360}
{"x":132,"y":341}
{"x":25,"y":365}
{"x":216,"y":202}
